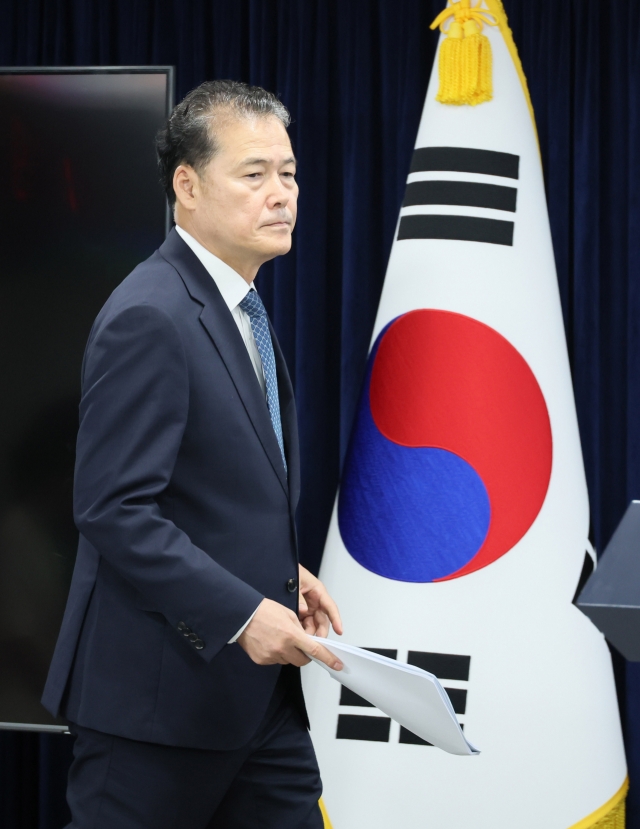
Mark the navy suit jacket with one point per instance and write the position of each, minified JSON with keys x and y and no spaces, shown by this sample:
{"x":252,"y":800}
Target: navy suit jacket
{"x":185,"y":513}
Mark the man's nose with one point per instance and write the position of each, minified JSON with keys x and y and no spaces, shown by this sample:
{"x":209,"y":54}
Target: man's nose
{"x":279,"y":195}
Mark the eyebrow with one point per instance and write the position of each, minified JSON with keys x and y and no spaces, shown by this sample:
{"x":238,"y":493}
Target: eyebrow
{"x":249,"y":161}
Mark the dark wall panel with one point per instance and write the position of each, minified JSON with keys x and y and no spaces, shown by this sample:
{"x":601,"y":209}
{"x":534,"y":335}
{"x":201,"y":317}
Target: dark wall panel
{"x":80,"y":206}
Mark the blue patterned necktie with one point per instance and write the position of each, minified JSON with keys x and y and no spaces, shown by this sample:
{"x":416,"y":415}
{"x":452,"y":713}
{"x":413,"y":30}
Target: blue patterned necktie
{"x":253,"y":307}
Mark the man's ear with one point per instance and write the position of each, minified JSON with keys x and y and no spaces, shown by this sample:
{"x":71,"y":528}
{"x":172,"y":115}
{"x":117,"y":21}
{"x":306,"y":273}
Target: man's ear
{"x":185,"y":186}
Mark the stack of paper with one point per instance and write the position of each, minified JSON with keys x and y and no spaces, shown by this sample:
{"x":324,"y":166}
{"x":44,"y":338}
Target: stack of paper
{"x":407,"y":694}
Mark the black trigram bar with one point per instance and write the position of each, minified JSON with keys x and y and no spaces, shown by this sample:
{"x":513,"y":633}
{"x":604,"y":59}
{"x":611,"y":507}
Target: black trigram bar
{"x":348,"y":697}
{"x":465,"y":160}
{"x":469,"y":193}
{"x":458,"y":697}
{"x":443,"y":665}
{"x":464,"y":228}
{"x":388,"y":652}
{"x":409,"y":737}
{"x":359,"y":727}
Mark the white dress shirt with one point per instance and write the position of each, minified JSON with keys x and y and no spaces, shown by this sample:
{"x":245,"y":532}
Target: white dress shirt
{"x":233,"y":289}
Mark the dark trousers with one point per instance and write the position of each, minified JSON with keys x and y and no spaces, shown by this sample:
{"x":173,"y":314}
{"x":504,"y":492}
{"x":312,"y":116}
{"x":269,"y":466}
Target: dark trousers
{"x":271,"y":783}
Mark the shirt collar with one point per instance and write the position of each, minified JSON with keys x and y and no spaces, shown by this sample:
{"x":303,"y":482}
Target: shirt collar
{"x":230,"y":284}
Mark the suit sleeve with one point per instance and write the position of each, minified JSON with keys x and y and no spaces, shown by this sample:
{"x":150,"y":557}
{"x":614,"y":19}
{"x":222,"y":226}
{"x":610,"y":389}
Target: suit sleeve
{"x":132,"y":417}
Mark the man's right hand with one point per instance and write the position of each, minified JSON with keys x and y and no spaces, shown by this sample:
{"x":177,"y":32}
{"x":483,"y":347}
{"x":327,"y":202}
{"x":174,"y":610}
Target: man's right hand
{"x":275,"y":636}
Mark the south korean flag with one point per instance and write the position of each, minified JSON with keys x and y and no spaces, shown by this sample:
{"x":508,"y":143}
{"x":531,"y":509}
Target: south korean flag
{"x":459,"y":533}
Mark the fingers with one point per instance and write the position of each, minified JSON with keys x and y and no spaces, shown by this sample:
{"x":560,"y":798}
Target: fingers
{"x":298,"y":658}
{"x":276,"y":636}
{"x":316,"y":624}
{"x":324,"y":655}
{"x":321,"y":621}
{"x":317,"y":597}
{"x":331,"y":609}
{"x":303,"y":607}
{"x":317,"y":651}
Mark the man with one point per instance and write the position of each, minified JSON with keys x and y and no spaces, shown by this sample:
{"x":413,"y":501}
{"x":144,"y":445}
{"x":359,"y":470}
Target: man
{"x":187,"y":598}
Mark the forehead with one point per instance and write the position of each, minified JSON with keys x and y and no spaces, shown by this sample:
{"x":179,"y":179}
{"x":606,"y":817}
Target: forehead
{"x":241,"y":138}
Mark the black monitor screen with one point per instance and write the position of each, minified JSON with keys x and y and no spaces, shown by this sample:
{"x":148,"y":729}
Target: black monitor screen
{"x":80,"y":206}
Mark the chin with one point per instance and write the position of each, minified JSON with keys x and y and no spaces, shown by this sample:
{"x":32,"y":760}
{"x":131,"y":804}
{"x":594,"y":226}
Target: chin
{"x":280,"y":249}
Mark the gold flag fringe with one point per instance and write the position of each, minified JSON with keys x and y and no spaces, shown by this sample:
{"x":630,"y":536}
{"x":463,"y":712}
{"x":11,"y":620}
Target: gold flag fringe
{"x":616,"y":818}
{"x":611,"y":815}
{"x":325,"y":816}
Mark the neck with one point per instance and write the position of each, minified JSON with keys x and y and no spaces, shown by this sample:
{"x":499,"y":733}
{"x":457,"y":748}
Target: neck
{"x":247,"y":270}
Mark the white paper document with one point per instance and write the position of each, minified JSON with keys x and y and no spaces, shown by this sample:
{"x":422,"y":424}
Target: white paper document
{"x":407,"y":694}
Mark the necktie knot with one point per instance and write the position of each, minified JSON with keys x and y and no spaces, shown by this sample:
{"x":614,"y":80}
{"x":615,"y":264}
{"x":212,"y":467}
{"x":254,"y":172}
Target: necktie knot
{"x":252,"y":305}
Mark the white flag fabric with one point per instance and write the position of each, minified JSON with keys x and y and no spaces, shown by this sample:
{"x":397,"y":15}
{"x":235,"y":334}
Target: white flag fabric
{"x":460,"y":528}
{"x":406,"y":693}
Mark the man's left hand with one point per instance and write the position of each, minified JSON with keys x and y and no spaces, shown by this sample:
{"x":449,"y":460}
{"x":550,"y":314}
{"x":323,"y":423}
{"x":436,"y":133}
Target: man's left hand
{"x":316,"y":609}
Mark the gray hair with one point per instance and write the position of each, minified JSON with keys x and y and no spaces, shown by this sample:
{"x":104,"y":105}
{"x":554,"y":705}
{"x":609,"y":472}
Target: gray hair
{"x":189,"y":136}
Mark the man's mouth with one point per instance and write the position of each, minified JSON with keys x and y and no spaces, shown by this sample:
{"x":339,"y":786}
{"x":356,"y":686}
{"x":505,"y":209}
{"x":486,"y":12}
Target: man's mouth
{"x":277,"y":223}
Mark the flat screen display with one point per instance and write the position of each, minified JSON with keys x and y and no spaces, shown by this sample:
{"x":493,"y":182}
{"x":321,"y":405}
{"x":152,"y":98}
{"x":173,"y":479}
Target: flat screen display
{"x":80,"y":206}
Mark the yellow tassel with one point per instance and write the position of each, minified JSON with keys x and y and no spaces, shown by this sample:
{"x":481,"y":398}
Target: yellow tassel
{"x":465,"y":60}
{"x":450,"y":66}
{"x":477,"y":61}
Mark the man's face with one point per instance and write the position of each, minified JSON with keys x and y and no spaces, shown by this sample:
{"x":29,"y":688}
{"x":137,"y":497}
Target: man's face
{"x":245,"y":201}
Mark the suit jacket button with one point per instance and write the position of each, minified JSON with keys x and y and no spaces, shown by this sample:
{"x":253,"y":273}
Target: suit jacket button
{"x":193,"y":637}
{"x":198,"y":644}
{"x":186,"y":632}
{"x":292,"y":585}
{"x":182,"y":626}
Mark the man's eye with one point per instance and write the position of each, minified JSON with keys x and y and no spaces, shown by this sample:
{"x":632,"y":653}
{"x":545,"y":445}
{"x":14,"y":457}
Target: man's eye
{"x":289,"y":175}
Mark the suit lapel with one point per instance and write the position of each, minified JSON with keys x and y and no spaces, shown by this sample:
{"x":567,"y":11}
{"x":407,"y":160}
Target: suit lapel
{"x":289,"y":420}
{"x":223,"y":331}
